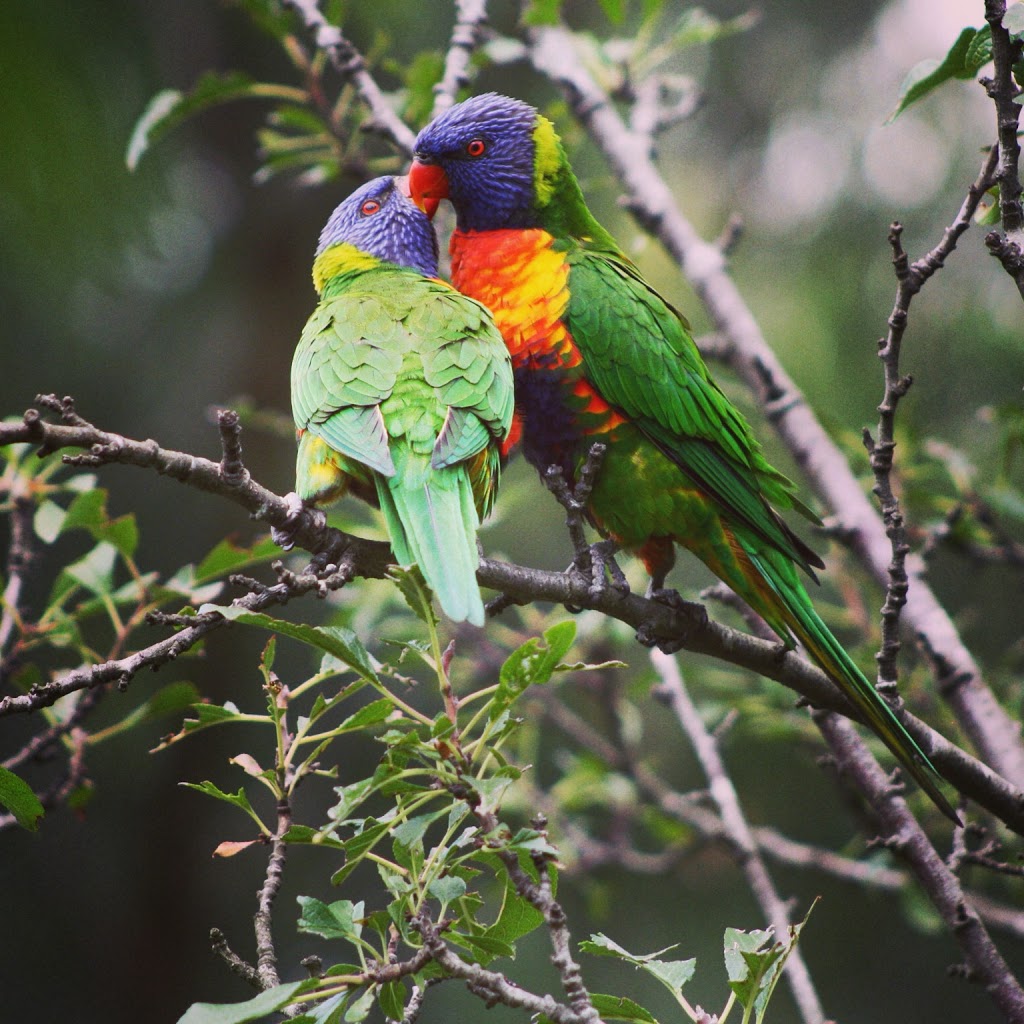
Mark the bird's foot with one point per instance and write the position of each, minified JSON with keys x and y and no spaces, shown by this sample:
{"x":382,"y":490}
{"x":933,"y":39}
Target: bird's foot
{"x":284,"y":536}
{"x":667,"y":596}
{"x":594,"y":564}
{"x":690,"y":615}
{"x":605,"y":571}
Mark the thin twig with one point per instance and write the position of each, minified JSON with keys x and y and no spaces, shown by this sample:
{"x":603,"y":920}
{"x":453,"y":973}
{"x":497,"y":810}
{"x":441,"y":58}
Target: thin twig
{"x":672,"y":690}
{"x":351,"y":65}
{"x":489,"y":985}
{"x":1003,"y":90}
{"x":20,"y":552}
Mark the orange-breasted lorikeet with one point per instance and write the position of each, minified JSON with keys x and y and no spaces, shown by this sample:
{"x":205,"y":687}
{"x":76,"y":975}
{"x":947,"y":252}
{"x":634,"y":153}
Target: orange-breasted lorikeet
{"x":599,"y":355}
{"x":401,"y":391}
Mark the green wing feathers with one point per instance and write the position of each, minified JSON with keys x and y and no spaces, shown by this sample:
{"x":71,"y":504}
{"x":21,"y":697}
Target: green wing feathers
{"x":793,"y":606}
{"x":654,"y":373}
{"x":432,"y":520}
{"x":402,"y":391}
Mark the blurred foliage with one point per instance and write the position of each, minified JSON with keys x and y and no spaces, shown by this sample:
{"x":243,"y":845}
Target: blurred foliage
{"x":154,"y":295}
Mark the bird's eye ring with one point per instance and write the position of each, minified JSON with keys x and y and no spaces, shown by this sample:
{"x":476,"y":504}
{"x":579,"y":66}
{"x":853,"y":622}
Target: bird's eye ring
{"x":369,"y":207}
{"x":476,"y":148}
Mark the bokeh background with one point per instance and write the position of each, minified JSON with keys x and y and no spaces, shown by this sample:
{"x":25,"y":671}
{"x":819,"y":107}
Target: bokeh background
{"x":152,"y":297}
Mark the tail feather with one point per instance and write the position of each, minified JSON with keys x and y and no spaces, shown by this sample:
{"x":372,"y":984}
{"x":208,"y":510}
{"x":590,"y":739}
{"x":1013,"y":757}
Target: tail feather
{"x":432,"y":521}
{"x":795,"y":608}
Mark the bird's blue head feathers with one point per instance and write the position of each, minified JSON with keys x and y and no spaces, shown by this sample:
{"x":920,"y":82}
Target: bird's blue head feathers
{"x":487,"y":147}
{"x":381,"y":220}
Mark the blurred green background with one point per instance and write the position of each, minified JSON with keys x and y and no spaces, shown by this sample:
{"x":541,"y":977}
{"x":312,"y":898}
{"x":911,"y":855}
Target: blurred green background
{"x":151,"y":297}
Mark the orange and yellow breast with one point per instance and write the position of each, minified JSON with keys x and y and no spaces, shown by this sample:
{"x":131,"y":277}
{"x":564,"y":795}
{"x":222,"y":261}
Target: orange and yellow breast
{"x":524,"y":283}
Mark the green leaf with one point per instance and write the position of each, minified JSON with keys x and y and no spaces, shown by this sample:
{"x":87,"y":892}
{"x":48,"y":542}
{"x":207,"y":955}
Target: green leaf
{"x":753,"y":970}
{"x":531,"y":664}
{"x":447,"y":888}
{"x":122,"y":532}
{"x":303,"y":834}
{"x":96,"y":570}
{"x":361,"y":1008}
{"x":516,"y":918}
{"x":271,"y":17}
{"x":412,"y":831}
{"x":930,"y":74}
{"x":542,"y":12}
{"x":616,"y":1008}
{"x":420,"y":78}
{"x":20,"y":799}
{"x":392,"y":1000}
{"x":87,"y":510}
{"x":374,"y":712}
{"x":673,"y":974}
{"x":238,"y":799}
{"x":228,"y":557}
{"x":342,"y":643}
{"x":171,"y":107}
{"x":48,"y":521}
{"x":207,"y":715}
{"x":979,"y":53}
{"x":338,"y":920}
{"x":415,"y":591}
{"x":350,"y":797}
{"x":615,"y":10}
{"x":253,"y":1010}
{"x":168,"y":700}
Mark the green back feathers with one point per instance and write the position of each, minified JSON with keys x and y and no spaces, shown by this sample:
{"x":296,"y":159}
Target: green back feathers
{"x":406,"y":381}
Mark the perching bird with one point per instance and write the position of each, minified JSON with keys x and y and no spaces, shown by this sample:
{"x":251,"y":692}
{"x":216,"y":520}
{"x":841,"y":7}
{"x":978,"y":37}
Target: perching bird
{"x":401,"y":391}
{"x":599,"y":355}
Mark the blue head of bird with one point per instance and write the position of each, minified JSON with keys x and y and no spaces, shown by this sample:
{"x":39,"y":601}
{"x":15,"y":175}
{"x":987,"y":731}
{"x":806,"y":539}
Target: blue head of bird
{"x":488,"y":155}
{"x":380,"y":220}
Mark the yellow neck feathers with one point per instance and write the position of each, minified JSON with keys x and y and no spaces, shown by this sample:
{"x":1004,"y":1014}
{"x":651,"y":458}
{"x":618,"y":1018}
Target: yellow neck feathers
{"x":340,"y":259}
{"x":548,"y":158}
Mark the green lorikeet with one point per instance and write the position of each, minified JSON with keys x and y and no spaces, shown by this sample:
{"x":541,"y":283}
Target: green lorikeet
{"x":401,"y":391}
{"x":598,"y":355}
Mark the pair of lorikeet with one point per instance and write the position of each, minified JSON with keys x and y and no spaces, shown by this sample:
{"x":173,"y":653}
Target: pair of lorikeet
{"x":409,"y":392}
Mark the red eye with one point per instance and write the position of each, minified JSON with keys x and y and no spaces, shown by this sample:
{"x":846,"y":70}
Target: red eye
{"x":476,"y":148}
{"x":370,"y":206}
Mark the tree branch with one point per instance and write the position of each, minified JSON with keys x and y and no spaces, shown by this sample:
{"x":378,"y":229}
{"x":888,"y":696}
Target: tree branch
{"x":672,"y":690}
{"x":351,"y":65}
{"x":1002,"y":89}
{"x":902,"y":834}
{"x":675,"y":627}
{"x":470,"y":18}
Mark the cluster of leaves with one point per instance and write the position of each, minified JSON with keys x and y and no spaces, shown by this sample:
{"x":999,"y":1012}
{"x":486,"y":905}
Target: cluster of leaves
{"x":429,"y":821}
{"x":315,"y":138}
{"x":98,"y":600}
{"x":305,"y":133}
{"x":966,"y":57}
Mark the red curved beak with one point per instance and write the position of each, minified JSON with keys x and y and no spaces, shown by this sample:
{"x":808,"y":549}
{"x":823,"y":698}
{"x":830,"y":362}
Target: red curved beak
{"x":428,"y":185}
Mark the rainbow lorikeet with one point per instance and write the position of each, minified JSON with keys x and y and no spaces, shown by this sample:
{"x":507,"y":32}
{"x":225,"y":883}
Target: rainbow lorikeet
{"x":599,"y":355}
{"x":401,"y":391}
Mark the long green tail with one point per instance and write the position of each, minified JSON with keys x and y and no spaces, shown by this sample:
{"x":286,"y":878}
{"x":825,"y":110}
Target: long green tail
{"x":432,"y":521}
{"x":795,"y":608}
